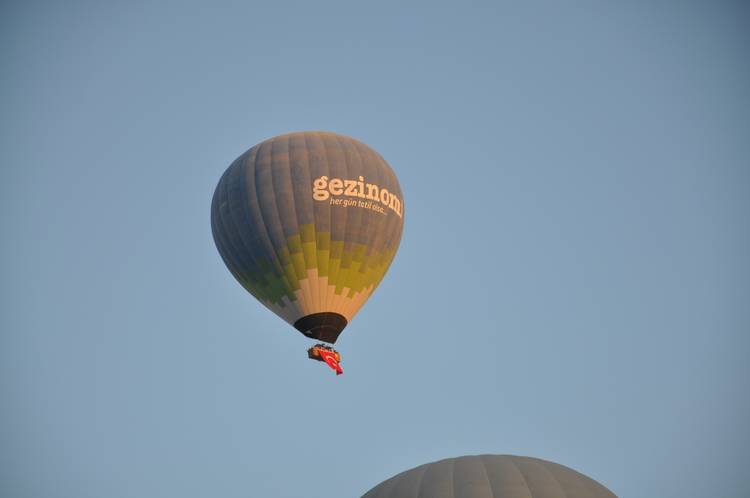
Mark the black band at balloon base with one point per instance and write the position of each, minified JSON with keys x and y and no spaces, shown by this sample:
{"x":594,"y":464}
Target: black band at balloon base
{"x":324,"y":327}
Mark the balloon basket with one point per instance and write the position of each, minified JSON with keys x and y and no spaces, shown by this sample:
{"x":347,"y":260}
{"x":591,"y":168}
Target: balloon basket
{"x":314,"y":352}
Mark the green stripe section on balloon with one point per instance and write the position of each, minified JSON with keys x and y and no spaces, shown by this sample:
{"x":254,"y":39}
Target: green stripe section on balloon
{"x":354,"y":270}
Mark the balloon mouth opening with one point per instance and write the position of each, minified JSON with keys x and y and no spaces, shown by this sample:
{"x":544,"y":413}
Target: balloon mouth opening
{"x":324,"y":326}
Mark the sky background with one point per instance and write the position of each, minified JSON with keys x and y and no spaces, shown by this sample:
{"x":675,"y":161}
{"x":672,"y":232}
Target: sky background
{"x":573,"y":280}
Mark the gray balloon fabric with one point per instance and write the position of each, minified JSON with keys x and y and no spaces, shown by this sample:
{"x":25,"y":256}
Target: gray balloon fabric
{"x":309,"y":223}
{"x":490,"y":476}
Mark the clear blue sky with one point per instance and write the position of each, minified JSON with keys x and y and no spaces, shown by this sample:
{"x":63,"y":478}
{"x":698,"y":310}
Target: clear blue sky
{"x":573,"y":281}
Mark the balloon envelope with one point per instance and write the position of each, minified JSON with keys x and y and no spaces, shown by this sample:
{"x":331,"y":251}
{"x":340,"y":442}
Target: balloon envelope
{"x":490,"y":476}
{"x":309,"y":223}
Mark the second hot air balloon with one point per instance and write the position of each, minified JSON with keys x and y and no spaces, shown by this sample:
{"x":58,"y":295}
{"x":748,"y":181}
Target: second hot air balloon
{"x":490,"y":476}
{"x":309,"y":223}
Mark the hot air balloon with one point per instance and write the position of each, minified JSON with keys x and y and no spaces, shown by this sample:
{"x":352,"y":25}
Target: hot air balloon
{"x":490,"y":476}
{"x":308,"y":223}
